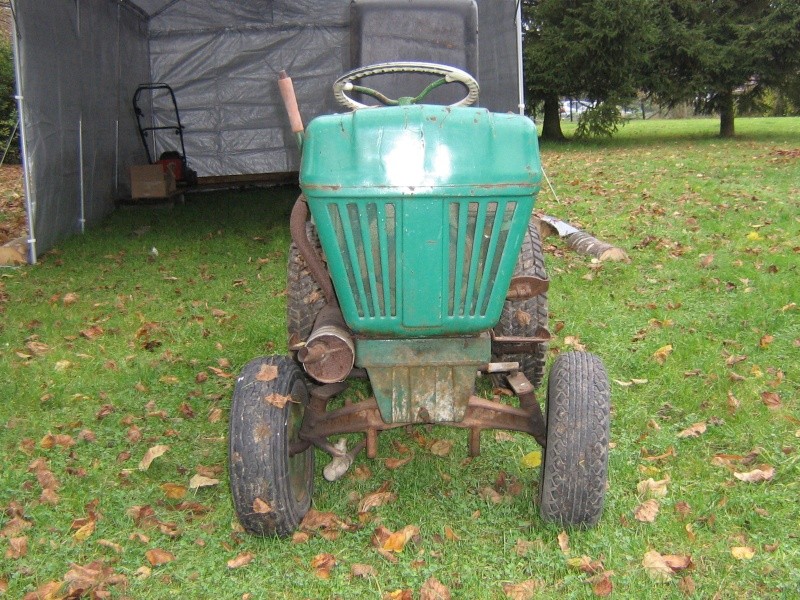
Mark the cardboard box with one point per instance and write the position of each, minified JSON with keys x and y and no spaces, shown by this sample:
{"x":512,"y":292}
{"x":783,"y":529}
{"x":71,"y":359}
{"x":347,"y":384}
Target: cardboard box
{"x":151,"y":181}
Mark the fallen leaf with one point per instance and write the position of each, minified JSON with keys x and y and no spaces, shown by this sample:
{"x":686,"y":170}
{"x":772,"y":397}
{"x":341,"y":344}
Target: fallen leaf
{"x":743,"y":552}
{"x":656,"y":489}
{"x":706,"y":261}
{"x":69,"y":299}
{"x":601,"y":584}
{"x":678,"y":562}
{"x":656,"y":567}
{"x":323,"y":564}
{"x":152,"y":453}
{"x":563,"y":542}
{"x":532,"y":459}
{"x":771,"y":399}
{"x":214,"y":415}
{"x":647,"y":511}
{"x":375,"y":500}
{"x":396,"y":463}
{"x":662,"y":353}
{"x":157,"y":557}
{"x":586,"y":564}
{"x":363,"y":571}
{"x":173,"y":491}
{"x":441,"y":447}
{"x":261,"y":507}
{"x":489,"y":494}
{"x":83,"y":532}
{"x":693,"y":431}
{"x":198,"y":481}
{"x":277,"y":400}
{"x":245,"y":558}
{"x":433,"y":589}
{"x":521,"y":591}
{"x":762,"y":473}
{"x":47,"y":591}
{"x":267,"y":373}
{"x":111,"y":545}
{"x":17,"y":548}
{"x":397,"y":541}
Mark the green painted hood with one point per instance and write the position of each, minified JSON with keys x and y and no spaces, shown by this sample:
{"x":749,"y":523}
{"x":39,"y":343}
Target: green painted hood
{"x":420,"y":149}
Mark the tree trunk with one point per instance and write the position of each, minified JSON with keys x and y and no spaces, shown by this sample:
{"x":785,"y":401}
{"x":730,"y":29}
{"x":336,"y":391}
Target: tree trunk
{"x":726,"y":115}
{"x":551,"y":128}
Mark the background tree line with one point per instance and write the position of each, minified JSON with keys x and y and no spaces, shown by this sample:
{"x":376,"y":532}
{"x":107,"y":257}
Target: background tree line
{"x":724,"y":56}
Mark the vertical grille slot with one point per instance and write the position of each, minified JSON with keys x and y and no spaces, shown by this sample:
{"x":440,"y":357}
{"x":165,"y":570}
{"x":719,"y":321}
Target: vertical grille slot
{"x":366,"y":239}
{"x":478,"y":233}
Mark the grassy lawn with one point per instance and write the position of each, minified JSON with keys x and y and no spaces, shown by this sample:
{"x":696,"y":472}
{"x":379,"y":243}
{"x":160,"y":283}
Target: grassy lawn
{"x":130,"y":337}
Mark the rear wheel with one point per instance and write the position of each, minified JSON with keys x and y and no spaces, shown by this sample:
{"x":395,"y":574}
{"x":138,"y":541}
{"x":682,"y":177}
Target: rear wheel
{"x":304,"y":297}
{"x":271,"y":482}
{"x":573,"y":478}
{"x":523,"y":318}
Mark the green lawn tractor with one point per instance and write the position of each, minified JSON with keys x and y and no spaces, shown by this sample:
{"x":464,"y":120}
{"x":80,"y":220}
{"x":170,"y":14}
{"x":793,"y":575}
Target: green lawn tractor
{"x":415,"y":266}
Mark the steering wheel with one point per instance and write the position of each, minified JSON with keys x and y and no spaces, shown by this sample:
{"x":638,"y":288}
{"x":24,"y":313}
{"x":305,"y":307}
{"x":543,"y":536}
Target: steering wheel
{"x":448,"y":75}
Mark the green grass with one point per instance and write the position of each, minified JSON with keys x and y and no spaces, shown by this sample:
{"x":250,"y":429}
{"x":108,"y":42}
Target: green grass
{"x":670,"y":193}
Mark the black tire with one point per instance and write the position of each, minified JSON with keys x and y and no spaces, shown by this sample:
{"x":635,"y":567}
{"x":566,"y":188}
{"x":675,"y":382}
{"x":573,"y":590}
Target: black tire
{"x":524,"y":317}
{"x":271,"y":490}
{"x":575,"y":463}
{"x":304,"y":298}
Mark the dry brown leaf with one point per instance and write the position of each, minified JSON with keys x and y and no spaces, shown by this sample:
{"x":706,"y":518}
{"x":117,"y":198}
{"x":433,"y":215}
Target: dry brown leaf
{"x":397,"y":541}
{"x":524,"y":547}
{"x":733,"y":403}
{"x":363,"y":571}
{"x":111,"y":545}
{"x":433,"y":589}
{"x":214,"y":415}
{"x":656,"y":489}
{"x":47,"y":591}
{"x":762,"y":473}
{"x":17,"y":548}
{"x":601,"y":585}
{"x":693,"y":431}
{"x":83,"y":532}
{"x":152,"y":453}
{"x":656,"y":567}
{"x":521,"y":591}
{"x":375,"y":500}
{"x":661,"y":355}
{"x":157,"y":557}
{"x":277,"y":400}
{"x":771,"y":399}
{"x":706,"y":260}
{"x":261,"y":507}
{"x":396,"y":463}
{"x":267,"y":373}
{"x":678,"y":562}
{"x":173,"y":491}
{"x":647,"y":511}
{"x":245,"y":558}
{"x":441,"y":447}
{"x":198,"y":481}
{"x":323,"y":564}
{"x":563,"y":542}
{"x":489,"y":494}
{"x":743,"y":552}
{"x":586,"y":564}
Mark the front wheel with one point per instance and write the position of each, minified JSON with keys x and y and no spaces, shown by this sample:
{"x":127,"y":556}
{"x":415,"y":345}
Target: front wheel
{"x":271,"y":478}
{"x":573,"y":478}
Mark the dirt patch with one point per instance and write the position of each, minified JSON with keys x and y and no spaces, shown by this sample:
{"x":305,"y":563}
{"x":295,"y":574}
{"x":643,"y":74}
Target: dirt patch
{"x":13,"y":220}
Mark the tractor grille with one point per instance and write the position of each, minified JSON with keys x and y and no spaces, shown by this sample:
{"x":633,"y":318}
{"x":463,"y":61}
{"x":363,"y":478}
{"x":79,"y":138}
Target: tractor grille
{"x":422,"y":266}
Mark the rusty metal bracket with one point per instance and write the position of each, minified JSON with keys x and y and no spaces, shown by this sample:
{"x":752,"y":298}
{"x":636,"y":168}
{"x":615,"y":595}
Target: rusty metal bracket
{"x":504,"y":345}
{"x":525,"y":287}
{"x":320,"y":424}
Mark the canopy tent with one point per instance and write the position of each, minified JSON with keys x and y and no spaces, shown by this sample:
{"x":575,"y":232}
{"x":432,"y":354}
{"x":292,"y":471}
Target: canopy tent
{"x":79,"y":63}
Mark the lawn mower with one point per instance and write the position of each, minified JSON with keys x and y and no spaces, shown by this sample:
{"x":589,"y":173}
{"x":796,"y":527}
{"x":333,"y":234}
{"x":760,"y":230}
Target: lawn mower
{"x":173,"y":161}
{"x":414,"y":265}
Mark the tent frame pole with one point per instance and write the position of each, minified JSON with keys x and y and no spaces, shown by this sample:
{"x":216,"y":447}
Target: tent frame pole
{"x":30,"y":202}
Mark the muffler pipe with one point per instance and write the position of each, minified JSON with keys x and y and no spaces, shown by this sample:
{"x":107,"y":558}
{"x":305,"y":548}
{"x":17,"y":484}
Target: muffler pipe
{"x":329,"y":353}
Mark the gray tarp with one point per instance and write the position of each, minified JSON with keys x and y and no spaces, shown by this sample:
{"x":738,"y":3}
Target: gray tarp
{"x":80,"y":62}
